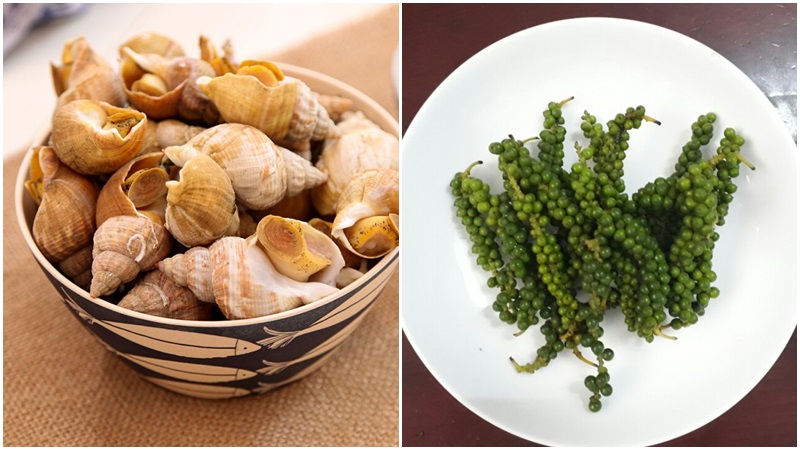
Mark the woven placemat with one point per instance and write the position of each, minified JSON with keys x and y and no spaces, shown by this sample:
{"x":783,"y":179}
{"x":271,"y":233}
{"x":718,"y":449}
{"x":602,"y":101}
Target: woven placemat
{"x":62,"y":388}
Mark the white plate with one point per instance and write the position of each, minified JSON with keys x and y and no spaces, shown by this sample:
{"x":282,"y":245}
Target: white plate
{"x":661,"y":390}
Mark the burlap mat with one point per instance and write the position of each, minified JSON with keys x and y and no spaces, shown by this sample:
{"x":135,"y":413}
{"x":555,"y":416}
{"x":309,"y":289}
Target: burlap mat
{"x":61,"y":388}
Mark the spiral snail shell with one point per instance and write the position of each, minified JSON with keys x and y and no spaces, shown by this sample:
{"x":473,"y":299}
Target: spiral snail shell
{"x":64,"y":225}
{"x":284,"y":108}
{"x":137,"y":188}
{"x":84,"y":74}
{"x":123,"y":247}
{"x":164,"y":87}
{"x":96,"y":138}
{"x":362,"y":146}
{"x":242,"y":280}
{"x":298,"y":250}
{"x":366,"y":219}
{"x":158,"y":295}
{"x":201,"y":204}
{"x":261,"y":173}
{"x":150,"y":42}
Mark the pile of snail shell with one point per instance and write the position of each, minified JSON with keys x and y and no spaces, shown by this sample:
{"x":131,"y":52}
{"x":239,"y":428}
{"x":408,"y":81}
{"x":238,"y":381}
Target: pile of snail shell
{"x":187,"y":187}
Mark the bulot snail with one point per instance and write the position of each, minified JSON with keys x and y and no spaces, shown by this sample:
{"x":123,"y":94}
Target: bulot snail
{"x":200,"y":188}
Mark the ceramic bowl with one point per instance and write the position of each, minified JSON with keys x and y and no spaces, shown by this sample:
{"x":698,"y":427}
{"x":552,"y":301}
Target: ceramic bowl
{"x":226,"y":358}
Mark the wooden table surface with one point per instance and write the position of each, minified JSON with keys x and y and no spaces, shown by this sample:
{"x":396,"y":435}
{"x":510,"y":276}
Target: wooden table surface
{"x":760,"y":39}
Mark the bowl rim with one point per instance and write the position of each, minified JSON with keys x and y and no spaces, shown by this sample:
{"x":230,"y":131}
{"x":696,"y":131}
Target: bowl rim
{"x":300,"y":73}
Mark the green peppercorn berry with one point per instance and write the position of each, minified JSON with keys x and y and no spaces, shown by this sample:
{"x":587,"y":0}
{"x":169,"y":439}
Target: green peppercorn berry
{"x":591,"y":383}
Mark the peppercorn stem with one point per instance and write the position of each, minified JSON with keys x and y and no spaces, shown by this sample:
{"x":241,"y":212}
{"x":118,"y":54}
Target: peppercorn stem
{"x":714,"y":160}
{"x":596,"y":302}
{"x":650,"y":119}
{"x":532,"y":138}
{"x":580,"y":356}
{"x":466,"y":172}
{"x":538,"y":363}
{"x":517,"y":191}
{"x":744,"y":161}
{"x":565,"y":101}
{"x":594,"y":246}
{"x":568,"y":334}
{"x":658,"y":332}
